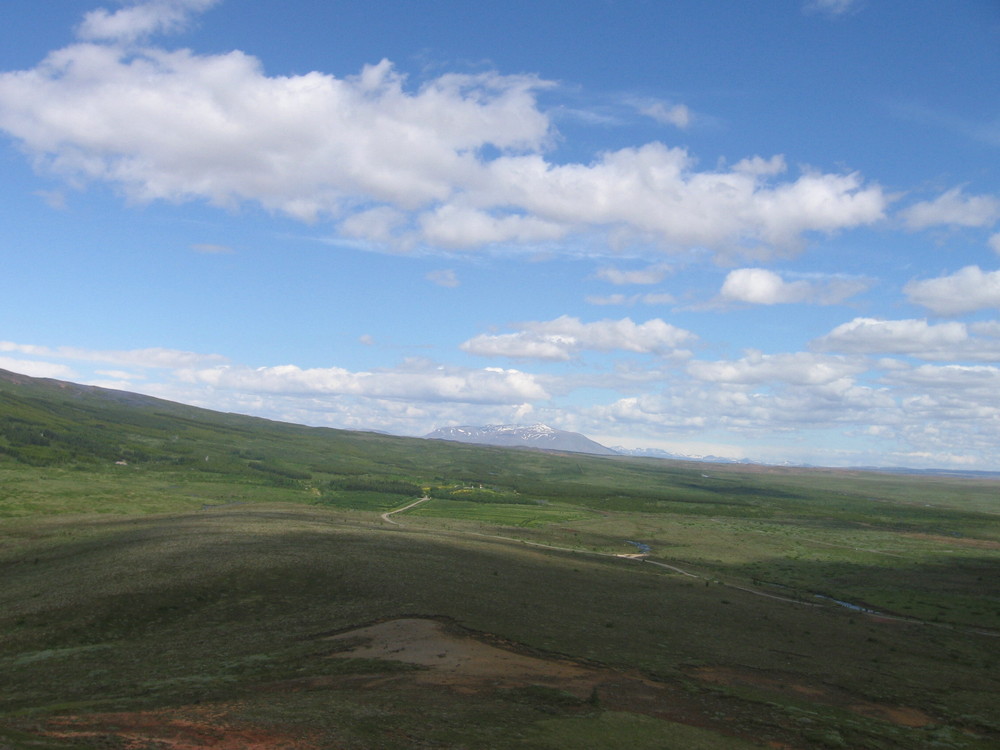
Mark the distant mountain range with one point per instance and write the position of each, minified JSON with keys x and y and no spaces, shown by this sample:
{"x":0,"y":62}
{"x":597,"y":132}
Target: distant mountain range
{"x":522,"y":436}
{"x":657,"y":453}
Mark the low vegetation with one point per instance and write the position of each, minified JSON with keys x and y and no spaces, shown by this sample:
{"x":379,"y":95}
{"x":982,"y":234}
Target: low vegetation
{"x":172,"y":575}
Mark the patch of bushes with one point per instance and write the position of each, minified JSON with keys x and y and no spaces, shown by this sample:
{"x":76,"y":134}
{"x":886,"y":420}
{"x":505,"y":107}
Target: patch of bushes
{"x":481,"y":495}
{"x":372,"y":483}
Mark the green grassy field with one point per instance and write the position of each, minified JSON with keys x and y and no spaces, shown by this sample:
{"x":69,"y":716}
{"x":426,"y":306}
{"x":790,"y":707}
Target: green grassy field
{"x":189,"y":590}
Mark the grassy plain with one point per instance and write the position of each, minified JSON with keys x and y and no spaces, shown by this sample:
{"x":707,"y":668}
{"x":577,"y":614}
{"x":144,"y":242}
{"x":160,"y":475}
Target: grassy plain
{"x":186,"y":594}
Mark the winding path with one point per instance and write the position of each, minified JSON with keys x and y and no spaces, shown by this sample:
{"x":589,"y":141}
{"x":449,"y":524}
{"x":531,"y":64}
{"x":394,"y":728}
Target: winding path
{"x":385,"y":516}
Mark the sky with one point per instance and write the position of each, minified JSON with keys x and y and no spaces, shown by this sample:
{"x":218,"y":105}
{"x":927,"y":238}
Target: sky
{"x":763,"y":231}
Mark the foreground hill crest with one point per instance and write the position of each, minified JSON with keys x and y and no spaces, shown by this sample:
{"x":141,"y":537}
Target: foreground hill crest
{"x":524,"y":436}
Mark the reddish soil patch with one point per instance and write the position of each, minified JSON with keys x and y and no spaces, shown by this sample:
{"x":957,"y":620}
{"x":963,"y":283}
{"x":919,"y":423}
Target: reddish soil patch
{"x":191,"y":728}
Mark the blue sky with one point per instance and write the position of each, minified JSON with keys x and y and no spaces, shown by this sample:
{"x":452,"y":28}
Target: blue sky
{"x":757,"y":230}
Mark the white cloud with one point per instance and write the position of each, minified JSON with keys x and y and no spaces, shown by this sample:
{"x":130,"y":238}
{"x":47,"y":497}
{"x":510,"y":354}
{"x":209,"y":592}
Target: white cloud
{"x":872,"y":336}
{"x":418,"y":381}
{"x":444,"y":277}
{"x":984,"y":379}
{"x":382,"y":224}
{"x":155,"y":357}
{"x":301,"y":144}
{"x":140,"y":19}
{"x":387,"y":162}
{"x":677,"y":115}
{"x":749,"y":409}
{"x":652,"y":193}
{"x":650,"y":275}
{"x":762,"y":287}
{"x":654,"y":298}
{"x":801,"y":368}
{"x":120,"y":375}
{"x":963,"y":397}
{"x":916,"y":338}
{"x":456,"y":226}
{"x":967,"y":290}
{"x":994,"y":243}
{"x":561,"y":339}
{"x":954,"y":207}
{"x":989,"y":328}
{"x":756,"y":165}
{"x":36,"y":369}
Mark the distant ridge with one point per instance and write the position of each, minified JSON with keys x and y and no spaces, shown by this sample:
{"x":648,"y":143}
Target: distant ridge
{"x":658,"y":453}
{"x":522,"y":436}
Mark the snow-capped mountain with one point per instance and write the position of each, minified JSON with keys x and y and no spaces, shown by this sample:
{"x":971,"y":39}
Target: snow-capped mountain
{"x":521,"y":436}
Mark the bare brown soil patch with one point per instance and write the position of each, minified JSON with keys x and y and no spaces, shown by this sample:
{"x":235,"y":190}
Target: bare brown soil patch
{"x":791,"y":685}
{"x":462,"y":662}
{"x":191,"y":728}
{"x":457,"y":660}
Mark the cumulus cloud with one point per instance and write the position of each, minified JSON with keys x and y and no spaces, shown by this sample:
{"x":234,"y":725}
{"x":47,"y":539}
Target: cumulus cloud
{"x":457,"y":162}
{"x":956,"y":208}
{"x":965,"y":291}
{"x":652,"y":192}
{"x":760,"y":286}
{"x":563,"y":338}
{"x":140,"y":19}
{"x":419,"y":381}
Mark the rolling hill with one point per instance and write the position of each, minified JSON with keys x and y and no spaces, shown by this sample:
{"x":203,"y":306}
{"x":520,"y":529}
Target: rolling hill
{"x":176,"y":577}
